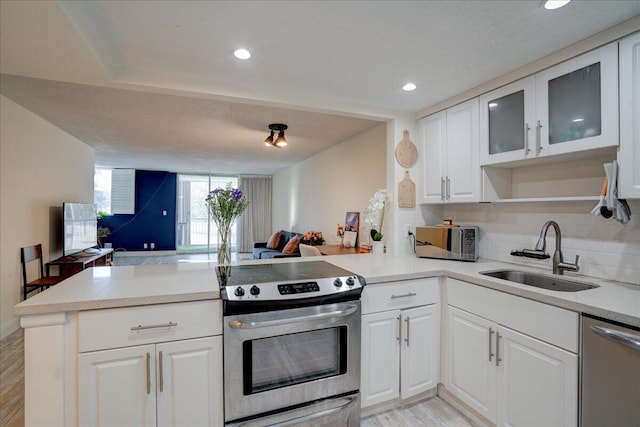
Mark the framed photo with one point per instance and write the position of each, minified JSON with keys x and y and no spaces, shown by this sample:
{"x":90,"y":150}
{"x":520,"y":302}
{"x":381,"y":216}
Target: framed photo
{"x":352,"y":222}
{"x":350,"y":239}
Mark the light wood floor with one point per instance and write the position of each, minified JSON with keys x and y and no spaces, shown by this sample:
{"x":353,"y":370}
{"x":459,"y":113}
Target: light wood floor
{"x":12,"y":380}
{"x":433,"y":412}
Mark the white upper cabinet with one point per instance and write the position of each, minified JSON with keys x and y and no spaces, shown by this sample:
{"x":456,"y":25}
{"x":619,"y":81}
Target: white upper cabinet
{"x":434,"y":139}
{"x":570,"y":107}
{"x":629,"y":154}
{"x":507,"y":116}
{"x":450,"y":143}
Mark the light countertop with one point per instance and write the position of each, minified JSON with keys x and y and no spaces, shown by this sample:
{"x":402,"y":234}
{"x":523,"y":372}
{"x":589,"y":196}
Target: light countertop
{"x":120,"y":286}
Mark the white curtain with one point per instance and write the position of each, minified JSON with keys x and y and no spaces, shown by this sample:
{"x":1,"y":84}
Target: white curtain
{"x":255,"y":223}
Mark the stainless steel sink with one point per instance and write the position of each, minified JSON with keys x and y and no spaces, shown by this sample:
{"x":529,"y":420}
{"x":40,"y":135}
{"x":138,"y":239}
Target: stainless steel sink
{"x":540,"y":281}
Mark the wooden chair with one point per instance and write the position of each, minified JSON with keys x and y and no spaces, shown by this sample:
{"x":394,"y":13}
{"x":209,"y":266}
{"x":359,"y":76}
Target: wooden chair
{"x":27,"y":255}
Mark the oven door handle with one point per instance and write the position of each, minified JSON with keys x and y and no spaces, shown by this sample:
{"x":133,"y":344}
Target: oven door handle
{"x":305,"y":418}
{"x":346,"y":311}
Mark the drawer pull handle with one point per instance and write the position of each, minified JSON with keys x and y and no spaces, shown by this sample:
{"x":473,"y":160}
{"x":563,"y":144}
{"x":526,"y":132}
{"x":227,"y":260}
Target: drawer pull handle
{"x":410,"y":294}
{"x":162,"y":325}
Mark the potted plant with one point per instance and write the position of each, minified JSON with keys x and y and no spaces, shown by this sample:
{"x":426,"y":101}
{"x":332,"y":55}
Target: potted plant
{"x":103,"y":232}
{"x":374,"y":216}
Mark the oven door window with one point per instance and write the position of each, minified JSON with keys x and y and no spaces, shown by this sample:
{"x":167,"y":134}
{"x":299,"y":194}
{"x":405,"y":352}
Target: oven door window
{"x":284,"y":360}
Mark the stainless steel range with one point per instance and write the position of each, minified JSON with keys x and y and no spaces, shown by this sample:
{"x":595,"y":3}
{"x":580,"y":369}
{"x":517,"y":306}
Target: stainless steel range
{"x":291,"y":344}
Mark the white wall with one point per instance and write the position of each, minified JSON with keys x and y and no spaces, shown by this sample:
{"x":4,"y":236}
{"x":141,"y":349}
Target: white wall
{"x":41,"y":167}
{"x":316,"y":193}
{"x":607,"y":248}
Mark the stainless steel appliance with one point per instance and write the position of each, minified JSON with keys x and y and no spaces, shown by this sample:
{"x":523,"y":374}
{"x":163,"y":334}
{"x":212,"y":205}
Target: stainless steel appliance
{"x":457,"y":243}
{"x":291,"y":344}
{"x":610,"y":374}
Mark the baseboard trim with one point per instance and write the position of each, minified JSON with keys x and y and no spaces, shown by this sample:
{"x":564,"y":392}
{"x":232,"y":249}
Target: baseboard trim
{"x":9,"y":327}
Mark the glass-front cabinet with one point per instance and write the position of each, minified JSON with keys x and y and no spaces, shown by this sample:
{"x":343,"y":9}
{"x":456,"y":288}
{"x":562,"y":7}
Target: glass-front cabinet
{"x":507,"y":116}
{"x":570,"y":107}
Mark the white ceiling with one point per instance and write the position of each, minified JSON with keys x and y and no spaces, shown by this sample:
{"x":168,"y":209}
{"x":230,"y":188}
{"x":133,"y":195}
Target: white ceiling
{"x":154,"y":84}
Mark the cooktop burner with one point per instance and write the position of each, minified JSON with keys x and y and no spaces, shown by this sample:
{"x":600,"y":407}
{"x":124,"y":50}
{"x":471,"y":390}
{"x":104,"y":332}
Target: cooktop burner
{"x":285,"y":272}
{"x":264,"y":287}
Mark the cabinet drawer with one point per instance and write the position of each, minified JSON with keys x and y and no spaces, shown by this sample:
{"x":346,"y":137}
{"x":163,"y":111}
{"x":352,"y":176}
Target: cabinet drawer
{"x":554,"y":325}
{"x":128,"y":326}
{"x":397,"y":295}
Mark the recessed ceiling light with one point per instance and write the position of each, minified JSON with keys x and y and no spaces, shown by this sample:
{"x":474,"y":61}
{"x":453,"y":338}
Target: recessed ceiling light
{"x":555,"y":4}
{"x":409,"y":87}
{"x":242,"y":54}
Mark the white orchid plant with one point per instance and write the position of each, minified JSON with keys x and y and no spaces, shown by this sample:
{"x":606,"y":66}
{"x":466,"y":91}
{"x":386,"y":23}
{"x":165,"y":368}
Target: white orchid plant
{"x":374,"y":214}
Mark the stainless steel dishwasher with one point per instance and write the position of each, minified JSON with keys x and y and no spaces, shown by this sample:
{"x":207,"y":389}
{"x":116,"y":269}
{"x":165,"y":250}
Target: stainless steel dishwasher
{"x":610,"y":374}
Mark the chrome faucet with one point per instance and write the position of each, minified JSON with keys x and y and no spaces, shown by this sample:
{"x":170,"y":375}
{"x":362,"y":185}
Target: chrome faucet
{"x":558,"y":261}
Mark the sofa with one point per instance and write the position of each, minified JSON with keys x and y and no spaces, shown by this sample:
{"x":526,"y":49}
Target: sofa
{"x":260,"y":250}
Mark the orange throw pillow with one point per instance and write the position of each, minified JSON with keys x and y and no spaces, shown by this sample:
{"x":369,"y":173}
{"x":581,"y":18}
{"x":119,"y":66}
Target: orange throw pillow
{"x":292,"y":246}
{"x":274,"y":241}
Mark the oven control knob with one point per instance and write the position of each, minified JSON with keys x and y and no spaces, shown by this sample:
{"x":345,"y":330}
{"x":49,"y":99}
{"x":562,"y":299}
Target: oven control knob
{"x":239,"y":291}
{"x":254,"y":290}
{"x":350,"y":281}
{"x":337,"y":283}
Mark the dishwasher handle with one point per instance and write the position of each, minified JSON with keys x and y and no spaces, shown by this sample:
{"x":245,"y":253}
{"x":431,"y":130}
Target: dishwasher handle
{"x":629,"y":340}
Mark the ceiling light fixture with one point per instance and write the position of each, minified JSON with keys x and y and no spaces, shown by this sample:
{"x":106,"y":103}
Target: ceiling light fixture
{"x":555,"y":4}
{"x":409,"y":87}
{"x":280,"y":140}
{"x":242,"y":54}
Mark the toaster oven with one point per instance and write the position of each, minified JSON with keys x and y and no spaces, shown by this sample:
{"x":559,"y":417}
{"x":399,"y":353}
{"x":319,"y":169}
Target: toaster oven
{"x":441,"y":242}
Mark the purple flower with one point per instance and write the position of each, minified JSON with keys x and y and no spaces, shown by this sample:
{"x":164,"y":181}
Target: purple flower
{"x":237,"y":194}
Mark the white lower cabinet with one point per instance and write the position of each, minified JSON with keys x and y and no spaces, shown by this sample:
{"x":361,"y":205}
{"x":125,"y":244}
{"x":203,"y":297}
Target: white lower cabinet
{"x":470,"y":366}
{"x":114,"y":387}
{"x":175,"y":383}
{"x":509,"y":378}
{"x":400,"y":347}
{"x":156,"y":365}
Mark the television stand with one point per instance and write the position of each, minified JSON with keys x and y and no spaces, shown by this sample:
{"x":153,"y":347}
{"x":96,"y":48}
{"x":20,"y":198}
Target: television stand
{"x":72,"y":264}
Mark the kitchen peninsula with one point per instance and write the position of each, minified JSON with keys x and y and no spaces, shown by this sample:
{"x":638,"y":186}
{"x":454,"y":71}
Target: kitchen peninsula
{"x":82,"y":315}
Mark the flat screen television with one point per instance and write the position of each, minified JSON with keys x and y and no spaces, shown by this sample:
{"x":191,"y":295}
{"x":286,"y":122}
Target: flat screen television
{"x":80,"y":227}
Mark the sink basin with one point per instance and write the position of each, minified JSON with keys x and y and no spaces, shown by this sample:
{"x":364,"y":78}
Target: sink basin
{"x":540,"y":281}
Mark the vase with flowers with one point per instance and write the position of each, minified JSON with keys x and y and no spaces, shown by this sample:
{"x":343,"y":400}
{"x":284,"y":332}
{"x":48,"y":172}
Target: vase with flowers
{"x":374,"y":217}
{"x":340,"y":235}
{"x":313,"y":238}
{"x":225,"y":206}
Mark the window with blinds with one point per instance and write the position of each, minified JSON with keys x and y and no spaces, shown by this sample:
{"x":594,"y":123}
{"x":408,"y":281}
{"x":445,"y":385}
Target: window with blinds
{"x":123,"y":191}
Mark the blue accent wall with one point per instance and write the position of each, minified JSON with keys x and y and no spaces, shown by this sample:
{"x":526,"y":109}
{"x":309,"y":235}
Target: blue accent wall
{"x":155,"y":192}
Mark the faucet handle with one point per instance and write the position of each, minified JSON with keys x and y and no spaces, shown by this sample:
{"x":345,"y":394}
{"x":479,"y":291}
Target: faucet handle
{"x":577,"y":258}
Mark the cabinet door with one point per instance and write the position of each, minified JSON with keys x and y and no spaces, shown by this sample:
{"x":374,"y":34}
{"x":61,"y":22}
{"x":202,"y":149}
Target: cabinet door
{"x":189,"y":384}
{"x":462,"y":180}
{"x":434,"y":136}
{"x":420,"y":350}
{"x":629,"y":154}
{"x":577,"y":103}
{"x":507,"y":121}
{"x":537,"y":382}
{"x":117,"y":387}
{"x":471,"y":374}
{"x":380,"y":373}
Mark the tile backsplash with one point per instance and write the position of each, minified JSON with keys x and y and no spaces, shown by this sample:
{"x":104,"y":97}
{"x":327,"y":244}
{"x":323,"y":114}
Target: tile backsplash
{"x":607,"y":248}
